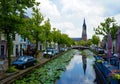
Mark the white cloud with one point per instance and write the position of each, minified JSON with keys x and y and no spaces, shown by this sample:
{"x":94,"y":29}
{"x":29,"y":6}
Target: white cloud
{"x":49,"y":9}
{"x":68,"y":28}
{"x":84,"y":7}
{"x":117,"y":18}
{"x":68,"y":15}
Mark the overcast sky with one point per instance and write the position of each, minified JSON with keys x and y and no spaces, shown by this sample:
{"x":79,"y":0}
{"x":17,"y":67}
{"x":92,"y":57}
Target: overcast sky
{"x":68,"y":15}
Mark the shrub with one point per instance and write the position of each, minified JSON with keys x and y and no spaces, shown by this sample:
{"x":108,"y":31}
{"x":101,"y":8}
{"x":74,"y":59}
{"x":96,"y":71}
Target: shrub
{"x":11,"y":69}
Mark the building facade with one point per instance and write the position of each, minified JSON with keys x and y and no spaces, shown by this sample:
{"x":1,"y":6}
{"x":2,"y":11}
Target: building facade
{"x":19,"y":44}
{"x":3,"y":46}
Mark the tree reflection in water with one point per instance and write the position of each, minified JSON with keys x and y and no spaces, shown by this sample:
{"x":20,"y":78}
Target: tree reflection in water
{"x":84,"y":61}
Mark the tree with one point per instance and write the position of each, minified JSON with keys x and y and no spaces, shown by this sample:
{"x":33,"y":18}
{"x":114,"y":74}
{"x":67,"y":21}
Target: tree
{"x":95,"y":40}
{"x":65,"y":40}
{"x":55,"y":35}
{"x":25,"y":30}
{"x":61,"y":39}
{"x":82,"y":42}
{"x":108,"y":26}
{"x":76,"y":43}
{"x":89,"y":42}
{"x":11,"y":17}
{"x":46,"y":30}
{"x":36,"y":30}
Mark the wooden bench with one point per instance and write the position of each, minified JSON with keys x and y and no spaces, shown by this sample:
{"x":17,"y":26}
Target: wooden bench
{"x":1,"y":65}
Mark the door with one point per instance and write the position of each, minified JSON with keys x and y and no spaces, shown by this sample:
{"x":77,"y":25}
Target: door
{"x":2,"y":51}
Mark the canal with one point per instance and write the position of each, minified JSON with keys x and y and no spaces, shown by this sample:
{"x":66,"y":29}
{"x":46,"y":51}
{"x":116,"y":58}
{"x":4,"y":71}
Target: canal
{"x":79,"y":71}
{"x":69,"y":68}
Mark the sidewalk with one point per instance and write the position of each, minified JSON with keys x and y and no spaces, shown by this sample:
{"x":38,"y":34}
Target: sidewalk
{"x":5,"y":75}
{"x":6,"y":62}
{"x":5,"y":66}
{"x":8,"y":78}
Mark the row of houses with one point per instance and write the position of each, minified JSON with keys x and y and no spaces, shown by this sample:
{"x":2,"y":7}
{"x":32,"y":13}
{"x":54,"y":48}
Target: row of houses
{"x":19,"y":45}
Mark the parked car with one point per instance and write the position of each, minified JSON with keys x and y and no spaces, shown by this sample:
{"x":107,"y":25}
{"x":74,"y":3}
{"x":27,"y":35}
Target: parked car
{"x":56,"y":51}
{"x":24,"y":61}
{"x":63,"y":49}
{"x":49,"y":52}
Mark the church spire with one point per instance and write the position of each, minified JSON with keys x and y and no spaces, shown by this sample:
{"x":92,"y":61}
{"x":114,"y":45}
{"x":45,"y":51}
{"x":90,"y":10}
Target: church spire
{"x":84,"y":34}
{"x":84,"y":24}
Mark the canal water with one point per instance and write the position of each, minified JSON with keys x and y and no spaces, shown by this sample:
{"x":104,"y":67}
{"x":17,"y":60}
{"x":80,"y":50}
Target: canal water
{"x":79,"y":71}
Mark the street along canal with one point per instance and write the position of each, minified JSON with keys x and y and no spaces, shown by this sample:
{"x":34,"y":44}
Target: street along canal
{"x":79,"y":71}
{"x":70,"y":68}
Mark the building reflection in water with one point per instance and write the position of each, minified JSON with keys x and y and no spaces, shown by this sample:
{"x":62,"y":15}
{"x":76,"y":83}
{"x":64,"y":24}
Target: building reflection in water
{"x":84,"y":61}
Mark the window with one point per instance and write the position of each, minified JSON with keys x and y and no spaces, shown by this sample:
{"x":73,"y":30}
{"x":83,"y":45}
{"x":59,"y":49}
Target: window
{"x":2,"y":50}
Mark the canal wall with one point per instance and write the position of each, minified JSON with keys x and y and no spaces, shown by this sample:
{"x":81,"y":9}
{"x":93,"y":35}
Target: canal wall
{"x":99,"y":75}
{"x":17,"y":75}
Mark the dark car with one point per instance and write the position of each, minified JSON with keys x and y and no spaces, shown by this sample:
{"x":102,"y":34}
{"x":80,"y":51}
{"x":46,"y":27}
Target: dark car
{"x":49,"y":52}
{"x":24,"y":61}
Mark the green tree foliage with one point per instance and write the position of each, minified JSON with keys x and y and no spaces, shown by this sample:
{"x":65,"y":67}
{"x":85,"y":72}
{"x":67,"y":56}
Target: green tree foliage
{"x":11,"y":16}
{"x":95,"y":40}
{"x":108,"y":26}
{"x":69,"y":41}
{"x":85,"y":43}
{"x":76,"y":43}
{"x":47,"y":32}
{"x":89,"y":42}
{"x":37,"y":28}
{"x":26,"y":28}
{"x":82,"y":43}
{"x":56,"y":34}
{"x":65,"y":40}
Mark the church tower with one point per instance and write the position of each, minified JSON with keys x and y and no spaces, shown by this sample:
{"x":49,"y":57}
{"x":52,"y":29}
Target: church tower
{"x":84,"y":32}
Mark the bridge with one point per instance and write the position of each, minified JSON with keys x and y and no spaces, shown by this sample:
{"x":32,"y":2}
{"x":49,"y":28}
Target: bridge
{"x":80,"y":47}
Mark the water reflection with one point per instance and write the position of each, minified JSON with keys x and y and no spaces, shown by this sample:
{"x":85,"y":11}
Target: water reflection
{"x":79,"y":71}
{"x":84,"y":61}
